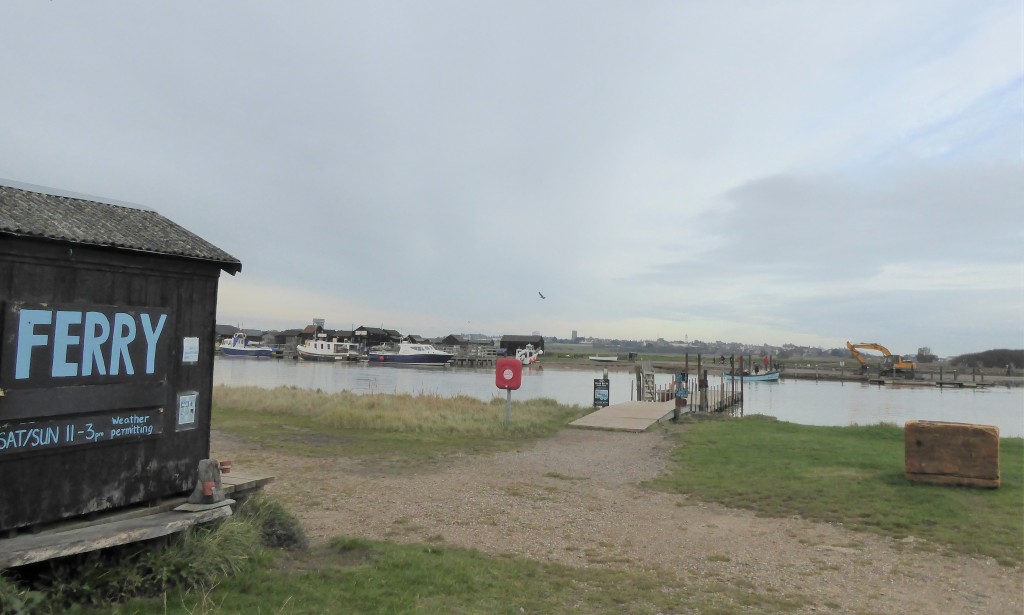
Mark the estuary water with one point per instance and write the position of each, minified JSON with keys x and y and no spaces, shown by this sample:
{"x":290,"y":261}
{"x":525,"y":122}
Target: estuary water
{"x":797,"y":401}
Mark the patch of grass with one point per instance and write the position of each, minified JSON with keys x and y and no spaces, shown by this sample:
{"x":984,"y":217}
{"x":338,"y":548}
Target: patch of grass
{"x":194,"y":560}
{"x":278,"y":528}
{"x":321,"y":424}
{"x":360,"y":576}
{"x":851,"y":476}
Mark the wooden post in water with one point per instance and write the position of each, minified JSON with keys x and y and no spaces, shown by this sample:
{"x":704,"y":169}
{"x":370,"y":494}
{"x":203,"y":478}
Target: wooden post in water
{"x":702,"y":392}
{"x":703,"y":387}
{"x":732,"y":381}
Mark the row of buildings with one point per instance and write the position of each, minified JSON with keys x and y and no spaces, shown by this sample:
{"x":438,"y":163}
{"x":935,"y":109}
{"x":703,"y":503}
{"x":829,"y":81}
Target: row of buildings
{"x":373,"y":336}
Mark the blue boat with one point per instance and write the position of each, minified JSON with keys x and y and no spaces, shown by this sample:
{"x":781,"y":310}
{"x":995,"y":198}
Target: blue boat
{"x":408,"y":353}
{"x":238,"y":346}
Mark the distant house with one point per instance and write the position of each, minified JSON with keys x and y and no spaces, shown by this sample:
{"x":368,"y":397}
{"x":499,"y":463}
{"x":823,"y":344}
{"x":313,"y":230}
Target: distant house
{"x":289,"y":338}
{"x":511,"y":343}
{"x":310,"y":332}
{"x":314,"y":330}
{"x":416,"y":339}
{"x":253,"y":335}
{"x":222,"y":331}
{"x":371,"y":336}
{"x":455,"y":340}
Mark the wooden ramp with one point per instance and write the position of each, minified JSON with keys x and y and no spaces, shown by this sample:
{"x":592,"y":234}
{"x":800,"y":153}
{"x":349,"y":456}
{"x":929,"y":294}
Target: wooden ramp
{"x":119,"y":527}
{"x":629,"y":416}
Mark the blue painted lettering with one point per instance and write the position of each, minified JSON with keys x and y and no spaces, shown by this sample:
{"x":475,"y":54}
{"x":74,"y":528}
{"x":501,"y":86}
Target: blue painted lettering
{"x":85,"y":344}
{"x":91,"y":341}
{"x":124,"y":334}
{"x":62,"y":339}
{"x":29,"y":339}
{"x":152,"y":335}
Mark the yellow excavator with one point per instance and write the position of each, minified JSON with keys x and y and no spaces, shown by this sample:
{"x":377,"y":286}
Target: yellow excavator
{"x":890,"y":362}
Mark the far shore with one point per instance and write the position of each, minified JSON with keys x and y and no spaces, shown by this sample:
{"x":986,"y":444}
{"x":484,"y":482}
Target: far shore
{"x":926,"y":374}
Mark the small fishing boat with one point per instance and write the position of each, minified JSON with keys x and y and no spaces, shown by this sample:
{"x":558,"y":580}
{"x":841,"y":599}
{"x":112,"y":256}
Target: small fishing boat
{"x":601,"y":359}
{"x":319,"y":349}
{"x":771,"y":376}
{"x":528,"y":355}
{"x":238,"y":345}
{"x":408,"y":353}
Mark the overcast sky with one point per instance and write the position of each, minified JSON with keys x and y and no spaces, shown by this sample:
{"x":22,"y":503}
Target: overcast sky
{"x":803,"y":172}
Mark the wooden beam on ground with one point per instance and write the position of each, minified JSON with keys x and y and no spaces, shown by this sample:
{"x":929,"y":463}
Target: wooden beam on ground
{"x":119,"y":527}
{"x":31,"y":548}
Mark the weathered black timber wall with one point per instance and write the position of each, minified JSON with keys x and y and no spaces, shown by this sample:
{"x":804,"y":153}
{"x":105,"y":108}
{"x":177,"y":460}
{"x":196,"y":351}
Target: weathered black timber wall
{"x":73,"y":442}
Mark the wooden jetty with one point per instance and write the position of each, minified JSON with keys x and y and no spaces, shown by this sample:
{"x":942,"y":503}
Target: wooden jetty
{"x":473,"y":356}
{"x":956,"y":384}
{"x":656,"y":405}
{"x":635,"y":416}
{"x":118,"y":527}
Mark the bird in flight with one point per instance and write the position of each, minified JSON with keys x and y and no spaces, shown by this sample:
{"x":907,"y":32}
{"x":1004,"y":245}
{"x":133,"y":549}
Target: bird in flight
{"x":541,"y":295}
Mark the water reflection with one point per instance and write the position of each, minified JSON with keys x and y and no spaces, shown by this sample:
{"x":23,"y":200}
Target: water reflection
{"x":797,"y":401}
{"x":833,"y":403}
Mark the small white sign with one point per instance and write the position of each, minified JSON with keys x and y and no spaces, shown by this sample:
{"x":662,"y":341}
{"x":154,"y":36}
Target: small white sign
{"x":187,"y":410}
{"x":190,"y":350}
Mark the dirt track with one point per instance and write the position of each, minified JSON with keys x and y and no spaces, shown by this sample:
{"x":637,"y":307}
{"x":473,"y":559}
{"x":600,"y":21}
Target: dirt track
{"x":577,"y":499}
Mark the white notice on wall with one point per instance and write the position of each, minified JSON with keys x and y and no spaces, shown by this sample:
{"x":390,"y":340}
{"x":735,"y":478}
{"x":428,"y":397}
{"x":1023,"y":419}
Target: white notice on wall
{"x":190,"y":350}
{"x":187,"y":410}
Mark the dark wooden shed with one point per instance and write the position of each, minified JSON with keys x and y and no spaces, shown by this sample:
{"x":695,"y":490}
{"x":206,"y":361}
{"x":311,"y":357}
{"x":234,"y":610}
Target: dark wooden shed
{"x":455,"y":340}
{"x":371,"y":336}
{"x":511,"y":343}
{"x":106,"y":355}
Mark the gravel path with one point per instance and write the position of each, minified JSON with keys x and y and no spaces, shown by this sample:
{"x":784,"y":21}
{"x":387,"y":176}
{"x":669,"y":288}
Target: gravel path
{"x":578,"y":499}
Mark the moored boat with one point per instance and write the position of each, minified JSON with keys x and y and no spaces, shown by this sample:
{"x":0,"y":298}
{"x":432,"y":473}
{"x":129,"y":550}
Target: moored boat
{"x":238,"y":345}
{"x":528,"y":355}
{"x":601,"y":359}
{"x":771,"y":376}
{"x":408,"y":353}
{"x":320,"y":349}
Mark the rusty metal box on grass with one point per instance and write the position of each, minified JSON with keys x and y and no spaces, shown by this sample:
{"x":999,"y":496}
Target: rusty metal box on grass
{"x":945,"y":453}
{"x":107,"y":319}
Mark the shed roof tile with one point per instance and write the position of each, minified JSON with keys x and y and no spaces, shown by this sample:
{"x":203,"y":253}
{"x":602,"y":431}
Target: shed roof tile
{"x":36,"y":214}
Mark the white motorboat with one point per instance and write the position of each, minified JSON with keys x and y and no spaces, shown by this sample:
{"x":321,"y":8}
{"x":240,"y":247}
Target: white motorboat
{"x":408,"y":353}
{"x":528,"y":355}
{"x":320,"y":349}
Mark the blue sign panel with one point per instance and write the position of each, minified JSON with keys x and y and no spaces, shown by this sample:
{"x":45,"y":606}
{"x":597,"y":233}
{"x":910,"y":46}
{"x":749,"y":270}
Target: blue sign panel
{"x":71,"y":345}
{"x":600,"y":392}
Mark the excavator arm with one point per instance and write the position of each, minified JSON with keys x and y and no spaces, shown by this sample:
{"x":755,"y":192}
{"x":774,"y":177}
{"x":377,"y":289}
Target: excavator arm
{"x":889,"y":360}
{"x":856,"y":355}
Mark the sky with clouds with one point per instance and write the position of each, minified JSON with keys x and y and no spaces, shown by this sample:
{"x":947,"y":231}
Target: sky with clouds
{"x":767,"y":172}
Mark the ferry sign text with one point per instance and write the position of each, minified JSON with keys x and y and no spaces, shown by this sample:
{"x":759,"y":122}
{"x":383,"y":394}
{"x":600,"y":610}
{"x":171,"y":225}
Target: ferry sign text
{"x":66,"y":345}
{"x":49,"y":435}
